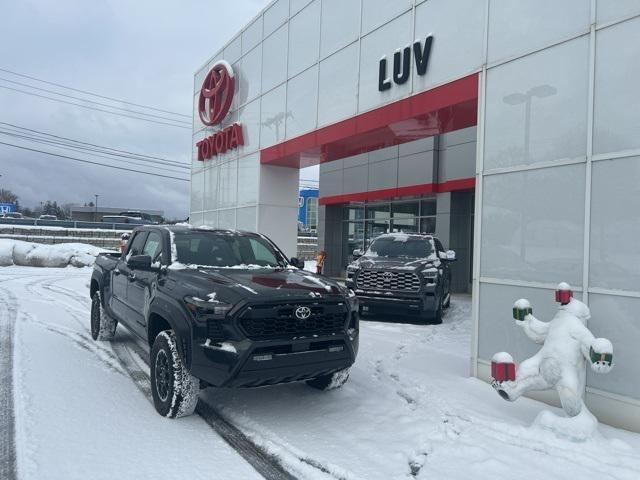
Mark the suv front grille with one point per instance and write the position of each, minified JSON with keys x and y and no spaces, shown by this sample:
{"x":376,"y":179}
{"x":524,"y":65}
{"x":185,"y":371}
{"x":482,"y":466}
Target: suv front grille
{"x":388,"y":280}
{"x":263,"y":322}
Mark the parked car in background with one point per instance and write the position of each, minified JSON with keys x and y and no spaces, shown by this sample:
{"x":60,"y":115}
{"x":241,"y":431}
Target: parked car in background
{"x":16,"y":215}
{"x":139,"y":218}
{"x":223,"y":308}
{"x":403,"y":274}
{"x":47,"y":217}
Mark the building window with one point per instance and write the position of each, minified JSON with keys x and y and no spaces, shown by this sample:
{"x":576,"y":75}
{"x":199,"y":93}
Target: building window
{"x":312,"y":213}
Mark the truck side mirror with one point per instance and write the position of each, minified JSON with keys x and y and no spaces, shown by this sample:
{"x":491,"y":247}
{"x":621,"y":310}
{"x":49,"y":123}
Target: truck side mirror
{"x":139,"y":262}
{"x":296,"y":262}
{"x":357,"y":253}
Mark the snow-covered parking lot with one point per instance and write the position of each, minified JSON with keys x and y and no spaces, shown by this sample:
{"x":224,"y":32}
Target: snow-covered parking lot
{"x":409,"y":409}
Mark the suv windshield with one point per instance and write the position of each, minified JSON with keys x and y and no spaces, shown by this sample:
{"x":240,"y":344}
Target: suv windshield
{"x":400,"y":246}
{"x":216,"y":249}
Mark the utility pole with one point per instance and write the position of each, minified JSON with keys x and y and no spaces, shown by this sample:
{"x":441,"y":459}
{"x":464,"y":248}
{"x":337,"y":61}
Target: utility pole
{"x":95,"y":205}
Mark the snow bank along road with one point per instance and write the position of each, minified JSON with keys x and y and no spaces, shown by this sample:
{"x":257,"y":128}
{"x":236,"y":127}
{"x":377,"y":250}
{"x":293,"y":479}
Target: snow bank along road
{"x":80,"y":408}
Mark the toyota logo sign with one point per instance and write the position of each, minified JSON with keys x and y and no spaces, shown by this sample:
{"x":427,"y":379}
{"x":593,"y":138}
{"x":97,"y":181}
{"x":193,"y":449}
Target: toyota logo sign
{"x":216,"y":94}
{"x":302,"y":313}
{"x":388,"y":276}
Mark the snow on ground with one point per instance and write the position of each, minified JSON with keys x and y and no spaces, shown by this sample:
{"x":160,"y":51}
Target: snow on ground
{"x":17,"y":252}
{"x":78,"y":415}
{"x":409,"y":409}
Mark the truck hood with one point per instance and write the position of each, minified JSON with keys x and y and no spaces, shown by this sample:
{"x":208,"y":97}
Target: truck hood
{"x":395,"y":263}
{"x":234,"y":285}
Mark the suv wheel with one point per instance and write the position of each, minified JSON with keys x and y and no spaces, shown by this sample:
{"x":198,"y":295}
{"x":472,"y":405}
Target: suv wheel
{"x":103,"y":327}
{"x":330,"y":381}
{"x":174,"y":390}
{"x":436,"y":318}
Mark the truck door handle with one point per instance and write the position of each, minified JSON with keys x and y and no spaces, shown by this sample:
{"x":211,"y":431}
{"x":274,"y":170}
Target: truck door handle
{"x":116,"y":272}
{"x":132,"y":277}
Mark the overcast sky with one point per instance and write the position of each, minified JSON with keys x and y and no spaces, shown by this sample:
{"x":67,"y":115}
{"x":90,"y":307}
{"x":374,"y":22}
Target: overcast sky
{"x":142,"y":51}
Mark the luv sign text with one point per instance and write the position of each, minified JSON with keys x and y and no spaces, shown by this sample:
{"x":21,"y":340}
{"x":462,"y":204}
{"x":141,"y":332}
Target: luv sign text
{"x":402,"y":63}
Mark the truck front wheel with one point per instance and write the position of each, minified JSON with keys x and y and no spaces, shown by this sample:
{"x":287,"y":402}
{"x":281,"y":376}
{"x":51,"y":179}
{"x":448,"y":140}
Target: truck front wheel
{"x":103,"y":327}
{"x":174,"y":390}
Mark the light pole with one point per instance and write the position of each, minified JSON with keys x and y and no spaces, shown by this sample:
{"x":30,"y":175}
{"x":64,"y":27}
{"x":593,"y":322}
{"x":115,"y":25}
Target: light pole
{"x":540,"y":91}
{"x":95,"y":205}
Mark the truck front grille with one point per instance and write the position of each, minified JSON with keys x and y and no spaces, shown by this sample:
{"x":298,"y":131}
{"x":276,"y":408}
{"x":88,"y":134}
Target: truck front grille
{"x":385,"y":280}
{"x":263,"y":322}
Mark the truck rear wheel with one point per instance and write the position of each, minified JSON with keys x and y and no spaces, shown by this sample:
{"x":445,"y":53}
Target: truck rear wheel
{"x":103,"y":327}
{"x":330,"y":381}
{"x":174,"y":390}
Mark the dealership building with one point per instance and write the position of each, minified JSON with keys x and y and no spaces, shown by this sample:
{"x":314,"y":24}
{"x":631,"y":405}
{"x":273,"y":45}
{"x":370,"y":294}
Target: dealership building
{"x":509,"y":129}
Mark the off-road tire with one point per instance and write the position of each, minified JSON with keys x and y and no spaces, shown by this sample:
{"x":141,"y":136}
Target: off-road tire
{"x":436,"y":317}
{"x":174,"y":390}
{"x":103,"y":327}
{"x":330,"y":381}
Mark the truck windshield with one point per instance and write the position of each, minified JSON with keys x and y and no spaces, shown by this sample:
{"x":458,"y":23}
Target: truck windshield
{"x":400,"y":246}
{"x":225,"y":250}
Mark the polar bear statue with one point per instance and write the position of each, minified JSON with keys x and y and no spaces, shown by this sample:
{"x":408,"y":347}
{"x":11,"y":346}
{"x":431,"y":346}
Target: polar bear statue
{"x":567,"y":346}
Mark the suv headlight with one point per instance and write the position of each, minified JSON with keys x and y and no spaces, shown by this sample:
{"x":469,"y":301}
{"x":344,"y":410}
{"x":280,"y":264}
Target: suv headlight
{"x":215,"y":309}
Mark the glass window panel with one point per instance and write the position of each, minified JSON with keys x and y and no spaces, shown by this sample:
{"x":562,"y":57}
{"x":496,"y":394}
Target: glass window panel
{"x":378,"y":211}
{"x":275,"y":15}
{"x":537,"y":107}
{"x":274,"y":63}
{"x":249,"y":78}
{"x":405,"y":224}
{"x":273,"y":116}
{"x":455,"y":51}
{"x":383,"y":41}
{"x":616,"y":116}
{"x":211,"y":188}
{"x":297,"y":5}
{"x":228,"y":184}
{"x":252,"y":35}
{"x":340,"y":25}
{"x":354,"y":212}
{"x":210,"y":219}
{"x":428,"y":207}
{"x":304,"y":39}
{"x":428,"y":225}
{"x":249,"y":118}
{"x":609,"y":10}
{"x":616,"y":318}
{"x":227,"y":218}
{"x":233,"y":51}
{"x":375,"y":228}
{"x":312,"y":212}
{"x":246,"y":219}
{"x":354,"y":232}
{"x":302,"y":103}
{"x":248,"y":168}
{"x":533,"y":225}
{"x":517,"y":27}
{"x":377,"y":12}
{"x":615,"y":229}
{"x":405,"y":209}
{"x":338,"y":99}
{"x":197,"y":190}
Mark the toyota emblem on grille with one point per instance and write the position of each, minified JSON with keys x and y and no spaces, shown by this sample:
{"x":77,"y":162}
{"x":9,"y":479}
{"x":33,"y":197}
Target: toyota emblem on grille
{"x":302,"y":313}
{"x":388,"y":275}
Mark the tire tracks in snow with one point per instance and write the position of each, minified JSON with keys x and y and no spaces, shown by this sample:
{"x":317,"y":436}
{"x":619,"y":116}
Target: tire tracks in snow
{"x":125,"y":349}
{"x":8,"y":315}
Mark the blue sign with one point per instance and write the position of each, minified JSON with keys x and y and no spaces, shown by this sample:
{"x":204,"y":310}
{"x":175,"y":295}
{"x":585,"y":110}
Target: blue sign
{"x":304,"y":205}
{"x":7,"y":208}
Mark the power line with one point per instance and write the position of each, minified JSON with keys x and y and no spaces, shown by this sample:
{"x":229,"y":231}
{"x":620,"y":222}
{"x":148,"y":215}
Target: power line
{"x":93,"y":108}
{"x":90,"y":93}
{"x":139,"y":156}
{"x":95,"y":103}
{"x":93,"y":163}
{"x":55,"y":144}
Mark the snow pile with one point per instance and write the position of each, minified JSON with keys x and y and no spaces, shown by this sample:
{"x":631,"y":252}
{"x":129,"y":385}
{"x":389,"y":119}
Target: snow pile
{"x":502,"y":357}
{"x":27,"y":254}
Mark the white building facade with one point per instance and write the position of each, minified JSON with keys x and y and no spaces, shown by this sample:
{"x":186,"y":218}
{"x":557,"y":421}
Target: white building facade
{"x":548,"y":90}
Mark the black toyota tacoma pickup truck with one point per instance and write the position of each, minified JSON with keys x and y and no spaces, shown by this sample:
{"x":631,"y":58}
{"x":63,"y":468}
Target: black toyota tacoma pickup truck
{"x":403,"y":274}
{"x":223,"y":308}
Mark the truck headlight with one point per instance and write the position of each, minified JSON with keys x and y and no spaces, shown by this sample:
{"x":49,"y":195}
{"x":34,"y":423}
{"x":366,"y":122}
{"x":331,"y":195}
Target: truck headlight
{"x":215,"y":309}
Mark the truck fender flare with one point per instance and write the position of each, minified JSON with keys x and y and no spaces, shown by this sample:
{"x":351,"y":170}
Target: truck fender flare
{"x":177,"y":321}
